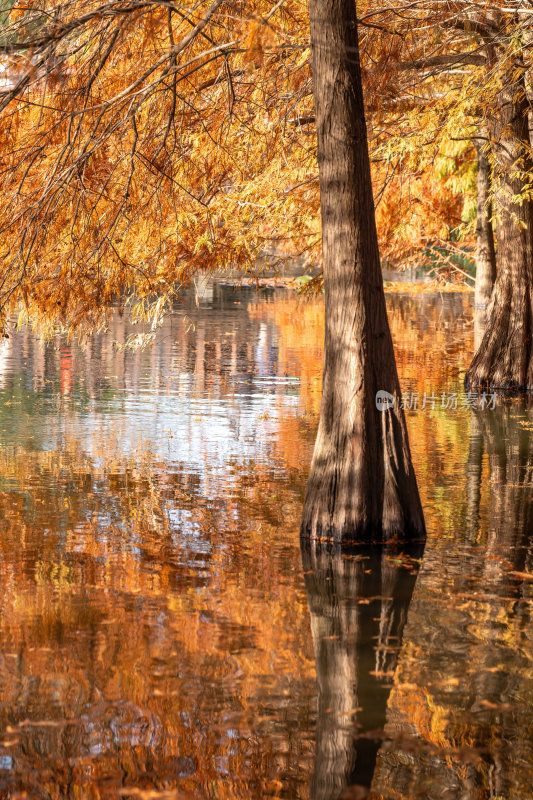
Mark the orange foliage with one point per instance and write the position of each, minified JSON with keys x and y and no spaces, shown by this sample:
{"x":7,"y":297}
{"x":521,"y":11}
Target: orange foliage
{"x":144,"y":144}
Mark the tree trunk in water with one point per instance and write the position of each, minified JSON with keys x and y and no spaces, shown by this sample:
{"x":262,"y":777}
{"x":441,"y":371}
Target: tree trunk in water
{"x":485,"y":254}
{"x":504,"y":359}
{"x":362,"y":484}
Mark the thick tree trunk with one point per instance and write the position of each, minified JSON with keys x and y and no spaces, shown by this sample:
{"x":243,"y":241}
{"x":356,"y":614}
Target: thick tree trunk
{"x":504,"y":359}
{"x":485,"y":253}
{"x":361,"y":485}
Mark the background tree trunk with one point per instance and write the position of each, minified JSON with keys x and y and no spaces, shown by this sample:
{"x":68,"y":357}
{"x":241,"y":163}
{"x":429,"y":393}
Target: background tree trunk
{"x":362,"y":484}
{"x":504,"y":357}
{"x":485,"y":253}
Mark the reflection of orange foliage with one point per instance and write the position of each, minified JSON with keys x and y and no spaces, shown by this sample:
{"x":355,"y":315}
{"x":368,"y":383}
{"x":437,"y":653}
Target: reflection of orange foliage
{"x":191,"y":637}
{"x":102,"y":568}
{"x":66,"y":370}
{"x":301,"y":338}
{"x":301,"y":332}
{"x":460,"y":710}
{"x":433,"y":340}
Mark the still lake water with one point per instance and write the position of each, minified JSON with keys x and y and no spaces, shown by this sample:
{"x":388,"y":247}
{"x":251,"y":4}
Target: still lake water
{"x":161,"y":633}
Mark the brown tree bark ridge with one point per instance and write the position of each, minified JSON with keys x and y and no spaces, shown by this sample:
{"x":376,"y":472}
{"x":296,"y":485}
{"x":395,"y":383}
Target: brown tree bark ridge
{"x":504,"y":359}
{"x":485,"y":251}
{"x":362,"y":485}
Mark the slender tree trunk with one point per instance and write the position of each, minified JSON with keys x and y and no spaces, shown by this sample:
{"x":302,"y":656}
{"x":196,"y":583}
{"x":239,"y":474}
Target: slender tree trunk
{"x":504,"y":359}
{"x":485,"y":253}
{"x":362,"y":484}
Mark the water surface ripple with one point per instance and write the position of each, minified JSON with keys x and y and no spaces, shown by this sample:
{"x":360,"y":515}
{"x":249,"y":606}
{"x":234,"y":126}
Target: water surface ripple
{"x":161,"y":633}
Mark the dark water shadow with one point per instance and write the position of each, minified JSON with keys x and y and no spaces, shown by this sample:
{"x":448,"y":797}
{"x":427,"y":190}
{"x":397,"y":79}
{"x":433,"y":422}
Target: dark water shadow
{"x":358,"y":603}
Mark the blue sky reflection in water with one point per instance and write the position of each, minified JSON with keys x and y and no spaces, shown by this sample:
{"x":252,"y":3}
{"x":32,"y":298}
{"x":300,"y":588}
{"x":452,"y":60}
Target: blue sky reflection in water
{"x":159,"y":637}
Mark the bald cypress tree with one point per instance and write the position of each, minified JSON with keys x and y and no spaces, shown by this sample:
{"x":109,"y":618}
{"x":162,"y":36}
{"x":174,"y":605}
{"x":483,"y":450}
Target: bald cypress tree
{"x":361,"y":484}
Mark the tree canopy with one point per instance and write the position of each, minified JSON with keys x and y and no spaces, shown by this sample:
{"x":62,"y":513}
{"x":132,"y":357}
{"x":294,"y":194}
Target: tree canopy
{"x":143,"y":141}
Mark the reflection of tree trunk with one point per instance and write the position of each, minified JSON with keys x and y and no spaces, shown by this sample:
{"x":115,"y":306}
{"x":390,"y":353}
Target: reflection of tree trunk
{"x":459,"y":714}
{"x":199,"y":365}
{"x":361,"y":483}
{"x":485,"y":254}
{"x":358,"y":606}
{"x":473,"y":476}
{"x":504,"y":359}
{"x":507,"y":443}
{"x":508,"y":446}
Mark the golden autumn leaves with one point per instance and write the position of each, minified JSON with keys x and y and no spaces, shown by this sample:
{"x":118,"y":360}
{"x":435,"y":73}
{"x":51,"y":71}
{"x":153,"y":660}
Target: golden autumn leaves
{"x":142,"y":143}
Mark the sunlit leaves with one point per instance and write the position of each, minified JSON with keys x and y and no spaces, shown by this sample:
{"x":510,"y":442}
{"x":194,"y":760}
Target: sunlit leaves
{"x":135,"y":154}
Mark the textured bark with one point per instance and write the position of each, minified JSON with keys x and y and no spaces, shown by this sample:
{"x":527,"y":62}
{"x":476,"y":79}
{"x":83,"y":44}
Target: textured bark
{"x":504,"y":359}
{"x":361,"y":484}
{"x":485,"y":253}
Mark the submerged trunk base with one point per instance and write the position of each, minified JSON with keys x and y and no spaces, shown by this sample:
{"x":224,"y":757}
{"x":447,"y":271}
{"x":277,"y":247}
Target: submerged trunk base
{"x":370,"y":534}
{"x":362,"y":487}
{"x":504,"y":359}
